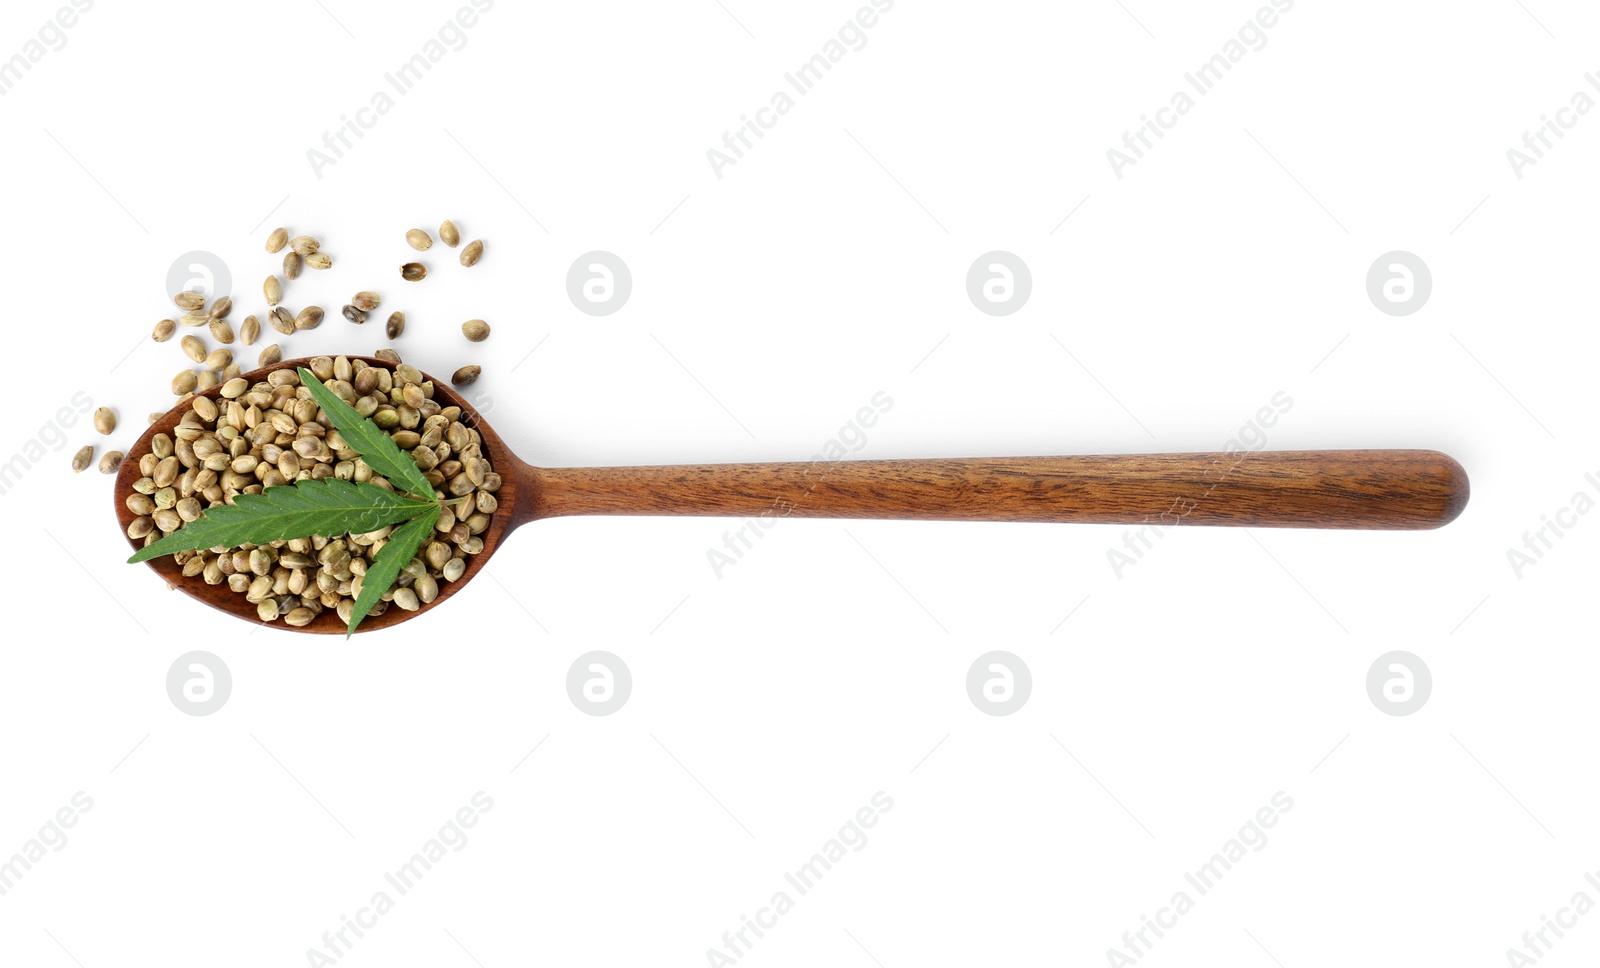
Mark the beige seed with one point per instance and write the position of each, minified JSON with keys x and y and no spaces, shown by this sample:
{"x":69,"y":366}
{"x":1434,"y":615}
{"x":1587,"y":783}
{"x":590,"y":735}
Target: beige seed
{"x":222,"y":331}
{"x":319,"y":260}
{"x":413,"y":272}
{"x":82,"y":458}
{"x":197,"y":318}
{"x":282,"y":320}
{"x":189,"y":301}
{"x":366,"y":300}
{"x":218,"y":359}
{"x":292,"y":263}
{"x":304,"y":245}
{"x":453,"y":569}
{"x":277,"y":240}
{"x":249,"y":331}
{"x":309,"y":318}
{"x":466,"y":375}
{"x":206,"y":409}
{"x":205,"y":380}
{"x":406,"y":599}
{"x":194,"y":348}
{"x":183,"y":383}
{"x":235,"y":388}
{"x":163,"y":330}
{"x":222,"y":307}
{"x":270,"y":355}
{"x":388,"y":356}
{"x":419,"y":240}
{"x":300,"y":617}
{"x":475,"y":330}
{"x":353,"y":314}
{"x":472,"y":253}
{"x":273,"y":290}
{"x":449,"y":234}
{"x":110,"y":462}
{"x":105,"y":420}
{"x":396,"y":325}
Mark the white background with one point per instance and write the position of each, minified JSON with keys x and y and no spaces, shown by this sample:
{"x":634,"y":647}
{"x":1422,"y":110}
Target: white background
{"x":768,"y":305}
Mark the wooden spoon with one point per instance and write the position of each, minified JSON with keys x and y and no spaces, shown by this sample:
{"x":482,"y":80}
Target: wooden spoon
{"x":1372,"y":489}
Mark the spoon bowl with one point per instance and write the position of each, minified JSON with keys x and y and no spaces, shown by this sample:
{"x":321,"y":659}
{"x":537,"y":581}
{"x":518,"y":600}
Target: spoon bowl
{"x":513,"y":479}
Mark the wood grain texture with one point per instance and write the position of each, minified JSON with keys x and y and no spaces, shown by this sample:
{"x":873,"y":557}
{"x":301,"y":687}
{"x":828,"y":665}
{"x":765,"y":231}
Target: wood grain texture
{"x":1378,"y":489}
{"x":1384,"y":489}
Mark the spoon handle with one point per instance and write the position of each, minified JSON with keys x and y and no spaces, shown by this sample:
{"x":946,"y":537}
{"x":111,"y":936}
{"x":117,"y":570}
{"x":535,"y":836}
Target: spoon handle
{"x":1383,"y":489}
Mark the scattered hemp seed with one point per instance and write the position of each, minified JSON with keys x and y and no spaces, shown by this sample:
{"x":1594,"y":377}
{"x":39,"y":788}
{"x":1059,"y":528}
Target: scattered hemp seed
{"x":277,"y":240}
{"x":419,"y":240}
{"x":413,"y":272}
{"x":449,"y":234}
{"x":466,"y":375}
{"x":472,"y":253}
{"x":83,"y":458}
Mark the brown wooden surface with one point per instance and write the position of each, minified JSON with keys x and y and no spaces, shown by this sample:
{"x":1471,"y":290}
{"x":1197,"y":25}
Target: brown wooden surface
{"x":1388,"y":489}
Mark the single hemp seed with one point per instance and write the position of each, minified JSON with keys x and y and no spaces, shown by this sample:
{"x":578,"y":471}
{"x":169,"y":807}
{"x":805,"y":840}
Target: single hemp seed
{"x":419,"y":240}
{"x":413,"y":272}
